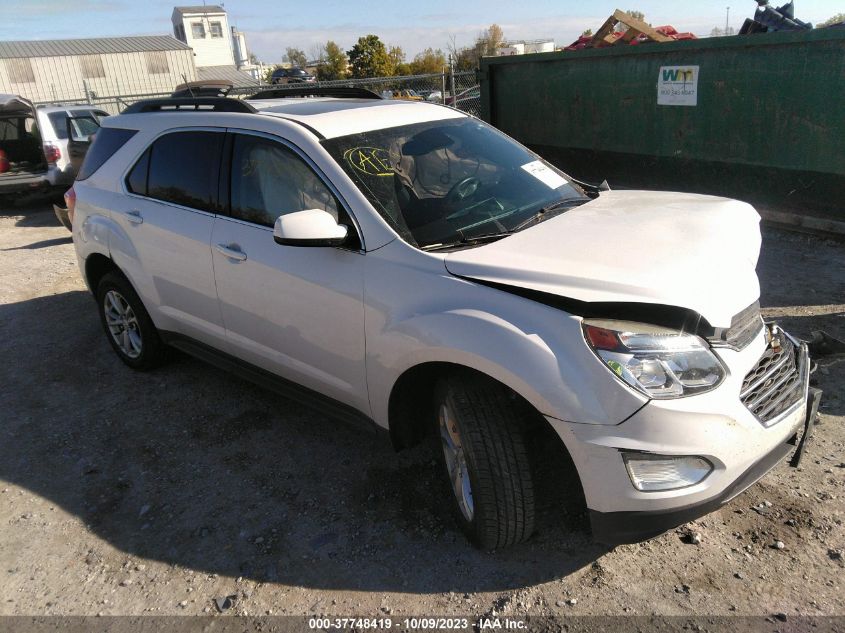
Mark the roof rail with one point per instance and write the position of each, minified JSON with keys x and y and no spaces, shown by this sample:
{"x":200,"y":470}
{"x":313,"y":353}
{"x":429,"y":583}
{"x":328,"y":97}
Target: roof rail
{"x":339,"y":92}
{"x":190,"y":104}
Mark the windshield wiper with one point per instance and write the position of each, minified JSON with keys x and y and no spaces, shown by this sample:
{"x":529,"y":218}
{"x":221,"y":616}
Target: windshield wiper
{"x":467,"y":241}
{"x":545,"y":211}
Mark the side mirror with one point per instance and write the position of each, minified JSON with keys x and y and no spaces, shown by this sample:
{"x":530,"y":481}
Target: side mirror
{"x":312,"y":227}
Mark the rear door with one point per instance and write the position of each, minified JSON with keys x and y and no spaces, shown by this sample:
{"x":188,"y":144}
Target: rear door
{"x":168,"y":217}
{"x":80,"y":130}
{"x":295,"y":311}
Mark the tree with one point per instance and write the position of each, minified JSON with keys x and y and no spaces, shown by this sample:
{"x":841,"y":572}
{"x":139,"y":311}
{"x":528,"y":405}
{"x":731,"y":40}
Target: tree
{"x":397,"y":61}
{"x":587,"y":33}
{"x":429,"y":61}
{"x":253,"y":59}
{"x":369,"y":58}
{"x":317,"y":53}
{"x":836,"y":19}
{"x":295,"y":56}
{"x":486,"y":43}
{"x":493,"y":38}
{"x":720,"y":32}
{"x":466,"y":59}
{"x":335,"y":64}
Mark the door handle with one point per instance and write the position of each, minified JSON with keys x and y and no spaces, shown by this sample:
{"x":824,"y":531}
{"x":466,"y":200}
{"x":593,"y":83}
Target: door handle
{"x":134,"y":217}
{"x":231,"y":253}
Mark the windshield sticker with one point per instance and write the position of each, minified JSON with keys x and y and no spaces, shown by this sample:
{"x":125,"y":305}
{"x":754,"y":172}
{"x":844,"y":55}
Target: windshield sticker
{"x":547,"y":176}
{"x":372,"y":161}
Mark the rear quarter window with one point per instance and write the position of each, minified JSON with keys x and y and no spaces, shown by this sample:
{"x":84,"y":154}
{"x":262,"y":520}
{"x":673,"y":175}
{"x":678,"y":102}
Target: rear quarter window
{"x":106,"y":142}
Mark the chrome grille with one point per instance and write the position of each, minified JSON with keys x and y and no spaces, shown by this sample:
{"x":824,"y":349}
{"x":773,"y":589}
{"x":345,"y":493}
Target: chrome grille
{"x":776,"y":383}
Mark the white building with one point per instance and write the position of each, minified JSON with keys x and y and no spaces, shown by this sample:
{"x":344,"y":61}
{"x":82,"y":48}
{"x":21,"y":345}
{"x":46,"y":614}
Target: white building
{"x":62,"y":70}
{"x":524,"y":47}
{"x":206,"y":30}
{"x":219,"y":51}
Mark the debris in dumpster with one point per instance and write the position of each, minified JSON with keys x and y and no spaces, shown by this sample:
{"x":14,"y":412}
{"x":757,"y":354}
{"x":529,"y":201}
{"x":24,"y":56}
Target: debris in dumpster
{"x":766,"y":19}
{"x":638,"y":32}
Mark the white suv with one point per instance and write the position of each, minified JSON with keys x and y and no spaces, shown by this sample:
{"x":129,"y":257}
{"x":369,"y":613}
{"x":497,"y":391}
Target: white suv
{"x":408,"y":264}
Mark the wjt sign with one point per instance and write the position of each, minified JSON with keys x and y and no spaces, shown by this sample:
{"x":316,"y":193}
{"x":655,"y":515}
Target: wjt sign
{"x":677,"y":86}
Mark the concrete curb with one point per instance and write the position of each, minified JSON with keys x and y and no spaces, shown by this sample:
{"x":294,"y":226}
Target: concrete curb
{"x":832,"y":228}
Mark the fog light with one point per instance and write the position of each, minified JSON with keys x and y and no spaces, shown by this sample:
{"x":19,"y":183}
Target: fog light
{"x":665,"y":472}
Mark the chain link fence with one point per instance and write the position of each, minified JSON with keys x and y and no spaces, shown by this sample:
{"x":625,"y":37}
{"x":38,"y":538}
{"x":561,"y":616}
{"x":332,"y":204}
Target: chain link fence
{"x":459,"y":90}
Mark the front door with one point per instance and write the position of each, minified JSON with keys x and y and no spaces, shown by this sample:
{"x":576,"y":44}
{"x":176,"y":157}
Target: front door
{"x":295,"y":311}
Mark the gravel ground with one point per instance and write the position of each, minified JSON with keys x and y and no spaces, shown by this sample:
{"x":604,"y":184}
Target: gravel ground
{"x":127,"y":493}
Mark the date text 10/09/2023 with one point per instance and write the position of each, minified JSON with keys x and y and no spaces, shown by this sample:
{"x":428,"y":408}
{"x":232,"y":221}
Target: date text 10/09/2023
{"x":418,"y":624}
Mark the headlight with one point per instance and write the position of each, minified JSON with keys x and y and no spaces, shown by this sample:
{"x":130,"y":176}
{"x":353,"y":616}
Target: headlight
{"x":658,"y":361}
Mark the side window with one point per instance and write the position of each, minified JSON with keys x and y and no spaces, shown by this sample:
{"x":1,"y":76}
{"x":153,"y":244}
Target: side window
{"x":136,"y":181}
{"x":269,"y":180}
{"x":184,"y":169}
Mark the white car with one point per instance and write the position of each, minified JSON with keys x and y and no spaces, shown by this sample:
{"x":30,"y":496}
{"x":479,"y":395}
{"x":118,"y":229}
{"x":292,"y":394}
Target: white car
{"x":410,"y":265}
{"x":34,"y":146}
{"x":53,"y":122}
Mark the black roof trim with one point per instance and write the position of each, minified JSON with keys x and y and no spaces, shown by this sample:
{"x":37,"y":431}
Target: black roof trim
{"x":319,"y":136}
{"x":190,"y":104}
{"x":338,"y":92}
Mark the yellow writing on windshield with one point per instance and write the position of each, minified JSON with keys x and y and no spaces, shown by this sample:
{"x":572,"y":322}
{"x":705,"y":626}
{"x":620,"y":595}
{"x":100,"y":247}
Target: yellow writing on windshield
{"x":372,"y":161}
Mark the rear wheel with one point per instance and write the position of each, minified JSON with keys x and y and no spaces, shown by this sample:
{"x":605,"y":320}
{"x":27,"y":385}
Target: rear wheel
{"x":481,"y":427}
{"x":127,"y":324}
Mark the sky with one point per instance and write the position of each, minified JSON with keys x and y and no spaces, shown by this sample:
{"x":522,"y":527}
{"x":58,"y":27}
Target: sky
{"x":271,"y":26}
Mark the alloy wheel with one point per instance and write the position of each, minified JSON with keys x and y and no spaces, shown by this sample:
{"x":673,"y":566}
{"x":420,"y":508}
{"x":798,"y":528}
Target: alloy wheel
{"x":122,"y":323}
{"x":456,"y":463}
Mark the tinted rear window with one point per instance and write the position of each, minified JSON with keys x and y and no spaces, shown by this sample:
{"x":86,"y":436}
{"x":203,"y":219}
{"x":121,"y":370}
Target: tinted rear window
{"x":184,"y":169}
{"x":106,"y":142}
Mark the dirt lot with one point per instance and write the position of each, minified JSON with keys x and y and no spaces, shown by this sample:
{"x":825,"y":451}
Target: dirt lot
{"x":127,"y":493}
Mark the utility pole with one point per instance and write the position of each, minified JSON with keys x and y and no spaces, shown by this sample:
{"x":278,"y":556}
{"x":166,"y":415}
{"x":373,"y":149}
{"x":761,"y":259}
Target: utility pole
{"x":452,"y":80}
{"x":727,"y":22}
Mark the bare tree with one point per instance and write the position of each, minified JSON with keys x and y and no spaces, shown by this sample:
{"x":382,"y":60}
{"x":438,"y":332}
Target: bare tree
{"x":296,"y":56}
{"x":317,"y":53}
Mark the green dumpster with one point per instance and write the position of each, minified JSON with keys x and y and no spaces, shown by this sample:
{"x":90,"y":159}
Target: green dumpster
{"x":759,"y":118}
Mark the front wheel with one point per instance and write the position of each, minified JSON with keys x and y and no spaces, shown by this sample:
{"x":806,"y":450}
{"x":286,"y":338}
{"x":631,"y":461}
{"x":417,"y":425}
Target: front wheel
{"x":481,"y":428}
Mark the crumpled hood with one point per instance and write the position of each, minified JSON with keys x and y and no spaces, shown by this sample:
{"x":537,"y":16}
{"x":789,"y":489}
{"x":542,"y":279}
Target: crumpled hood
{"x":678,"y":249}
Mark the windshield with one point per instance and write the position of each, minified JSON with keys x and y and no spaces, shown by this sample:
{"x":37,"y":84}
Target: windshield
{"x":452,"y":183}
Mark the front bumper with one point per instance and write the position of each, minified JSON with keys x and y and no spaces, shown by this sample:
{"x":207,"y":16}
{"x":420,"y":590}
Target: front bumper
{"x":716,"y":426}
{"x":617,"y":528}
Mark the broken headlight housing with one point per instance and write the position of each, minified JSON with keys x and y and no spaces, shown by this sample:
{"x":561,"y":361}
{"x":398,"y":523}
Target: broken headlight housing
{"x":657,"y":361}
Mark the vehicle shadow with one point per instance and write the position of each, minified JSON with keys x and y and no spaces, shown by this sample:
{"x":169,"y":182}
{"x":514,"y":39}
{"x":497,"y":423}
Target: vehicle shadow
{"x":34,"y":210}
{"x":58,"y":241}
{"x":193,"y":467}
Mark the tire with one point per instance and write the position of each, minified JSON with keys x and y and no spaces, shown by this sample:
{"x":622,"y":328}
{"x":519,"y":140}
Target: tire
{"x":122,"y":313}
{"x":488,"y":428}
